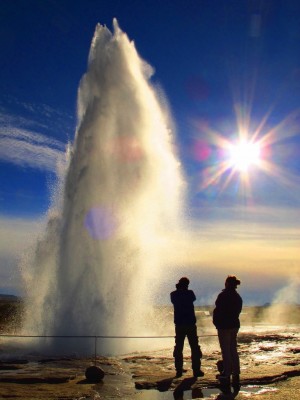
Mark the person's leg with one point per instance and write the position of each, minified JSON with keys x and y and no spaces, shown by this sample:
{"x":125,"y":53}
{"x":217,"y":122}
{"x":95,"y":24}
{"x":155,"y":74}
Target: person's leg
{"x":196,"y":353}
{"x":178,"y":349}
{"x":235,"y":360}
{"x":224,"y":340}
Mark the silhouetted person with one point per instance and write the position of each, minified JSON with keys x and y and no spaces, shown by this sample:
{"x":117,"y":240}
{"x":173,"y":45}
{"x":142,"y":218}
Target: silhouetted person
{"x":185,"y":325}
{"x":226,"y":319}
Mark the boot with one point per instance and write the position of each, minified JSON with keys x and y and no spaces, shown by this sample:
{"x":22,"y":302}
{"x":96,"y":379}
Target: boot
{"x":196,"y":361}
{"x":235,"y":381}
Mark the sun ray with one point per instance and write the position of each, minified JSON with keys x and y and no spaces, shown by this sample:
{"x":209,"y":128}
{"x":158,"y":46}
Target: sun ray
{"x":286,"y":128}
{"x":213,"y":177}
{"x":282,"y":175}
{"x":228,"y":179}
{"x":261,"y":125}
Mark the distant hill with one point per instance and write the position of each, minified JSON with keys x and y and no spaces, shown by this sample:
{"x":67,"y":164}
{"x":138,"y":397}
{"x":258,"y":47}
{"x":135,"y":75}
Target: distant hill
{"x":9,"y":297}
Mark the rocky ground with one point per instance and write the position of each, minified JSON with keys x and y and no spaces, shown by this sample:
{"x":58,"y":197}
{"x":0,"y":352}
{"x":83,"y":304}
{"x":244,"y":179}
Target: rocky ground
{"x":270,"y":364}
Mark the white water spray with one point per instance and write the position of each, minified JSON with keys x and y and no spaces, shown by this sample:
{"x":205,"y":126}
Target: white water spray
{"x":95,"y":270}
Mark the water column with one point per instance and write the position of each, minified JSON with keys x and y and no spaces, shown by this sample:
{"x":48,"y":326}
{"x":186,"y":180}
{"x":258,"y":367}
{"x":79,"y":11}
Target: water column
{"x":95,"y":269}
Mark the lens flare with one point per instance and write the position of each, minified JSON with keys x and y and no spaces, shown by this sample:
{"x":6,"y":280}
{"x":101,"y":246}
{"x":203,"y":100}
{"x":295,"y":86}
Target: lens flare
{"x":239,"y":161}
{"x":243,"y":155}
{"x":100,"y":223}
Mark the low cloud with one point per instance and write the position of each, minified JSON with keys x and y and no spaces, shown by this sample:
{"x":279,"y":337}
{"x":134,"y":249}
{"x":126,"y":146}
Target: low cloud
{"x":263,"y":254}
{"x":267,"y":265}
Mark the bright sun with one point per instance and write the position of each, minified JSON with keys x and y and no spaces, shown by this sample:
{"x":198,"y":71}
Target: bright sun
{"x":243,"y":155}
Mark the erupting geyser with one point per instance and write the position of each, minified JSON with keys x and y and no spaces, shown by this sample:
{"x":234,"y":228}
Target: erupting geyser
{"x":95,"y":270}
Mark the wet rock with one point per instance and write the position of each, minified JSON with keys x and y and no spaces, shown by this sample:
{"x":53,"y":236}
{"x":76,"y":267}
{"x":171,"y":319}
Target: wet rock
{"x":94,"y":374}
{"x":295,"y":351}
{"x":145,"y":385}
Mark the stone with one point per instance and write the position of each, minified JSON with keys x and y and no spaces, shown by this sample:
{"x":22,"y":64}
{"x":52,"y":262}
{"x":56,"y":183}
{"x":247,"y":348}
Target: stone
{"x":94,"y":374}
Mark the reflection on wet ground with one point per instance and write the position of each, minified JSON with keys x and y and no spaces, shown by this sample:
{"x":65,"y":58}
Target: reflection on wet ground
{"x":206,"y":393}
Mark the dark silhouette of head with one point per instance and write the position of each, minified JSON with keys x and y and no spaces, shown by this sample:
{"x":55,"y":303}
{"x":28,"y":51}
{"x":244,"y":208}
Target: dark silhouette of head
{"x":232,"y":282}
{"x":183,"y":283}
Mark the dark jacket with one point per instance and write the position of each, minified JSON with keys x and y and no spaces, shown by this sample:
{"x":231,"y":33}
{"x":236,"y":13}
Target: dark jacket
{"x":228,"y":308}
{"x":183,"y":301}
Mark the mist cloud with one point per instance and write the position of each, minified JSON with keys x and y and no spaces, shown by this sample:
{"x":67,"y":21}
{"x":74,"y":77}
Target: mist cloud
{"x":16,"y":235}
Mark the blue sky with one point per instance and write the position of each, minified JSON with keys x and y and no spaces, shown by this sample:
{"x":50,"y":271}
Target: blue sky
{"x":222,"y":65}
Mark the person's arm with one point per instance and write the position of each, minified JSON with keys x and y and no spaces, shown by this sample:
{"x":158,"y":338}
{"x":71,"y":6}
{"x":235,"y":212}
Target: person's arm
{"x":193,"y":296}
{"x":240,"y":305}
{"x":218,"y":300}
{"x":173,"y":297}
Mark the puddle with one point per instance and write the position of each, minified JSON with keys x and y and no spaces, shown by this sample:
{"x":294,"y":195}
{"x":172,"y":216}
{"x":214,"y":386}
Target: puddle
{"x":187,"y":394}
{"x":204,"y":393}
{"x":257,"y":389}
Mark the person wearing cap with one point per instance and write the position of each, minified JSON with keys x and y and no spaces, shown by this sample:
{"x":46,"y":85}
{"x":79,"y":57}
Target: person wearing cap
{"x":226,"y":319}
{"x":185,"y":325}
